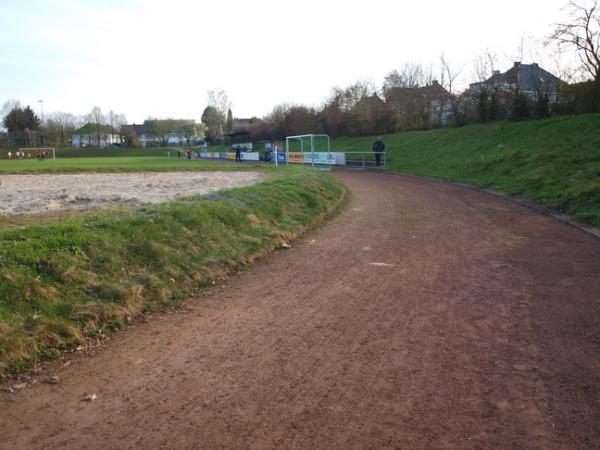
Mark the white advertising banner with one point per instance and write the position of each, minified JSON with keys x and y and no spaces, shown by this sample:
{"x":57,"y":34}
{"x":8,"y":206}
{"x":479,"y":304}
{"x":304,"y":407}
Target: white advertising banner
{"x":249,"y":156}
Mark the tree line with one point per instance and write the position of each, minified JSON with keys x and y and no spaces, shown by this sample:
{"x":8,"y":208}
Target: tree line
{"x":24,"y":127}
{"x":413,"y":97}
{"x":416,"y":97}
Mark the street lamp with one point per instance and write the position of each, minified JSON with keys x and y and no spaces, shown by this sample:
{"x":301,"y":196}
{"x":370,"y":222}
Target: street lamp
{"x":41,"y":102}
{"x":41,"y":129}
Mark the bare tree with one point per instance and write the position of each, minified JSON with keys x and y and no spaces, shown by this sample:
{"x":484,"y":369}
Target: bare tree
{"x":221,"y":103}
{"x":111,"y":120}
{"x":448,"y":77}
{"x":448,"y":74}
{"x":120,"y":121}
{"x":355,"y":93}
{"x":219,"y":100}
{"x":115,"y":122}
{"x":60,"y":126}
{"x":410,"y":76}
{"x":97,"y":121}
{"x":582,"y":33}
{"x":485,"y":65}
{"x":188,"y":129}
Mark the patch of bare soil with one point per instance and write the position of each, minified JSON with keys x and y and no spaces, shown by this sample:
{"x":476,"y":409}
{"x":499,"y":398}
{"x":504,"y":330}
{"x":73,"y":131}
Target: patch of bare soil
{"x":424,"y":316}
{"x":42,"y":193}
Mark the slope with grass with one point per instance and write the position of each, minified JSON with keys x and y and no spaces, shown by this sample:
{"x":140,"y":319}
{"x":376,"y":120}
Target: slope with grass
{"x":61,"y":283}
{"x":553,"y":162}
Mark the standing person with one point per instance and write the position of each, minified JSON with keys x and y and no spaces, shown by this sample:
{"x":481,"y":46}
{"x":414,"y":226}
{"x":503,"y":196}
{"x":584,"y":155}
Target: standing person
{"x":178,"y":154}
{"x":9,"y":155}
{"x":238,"y":154}
{"x":378,"y":148}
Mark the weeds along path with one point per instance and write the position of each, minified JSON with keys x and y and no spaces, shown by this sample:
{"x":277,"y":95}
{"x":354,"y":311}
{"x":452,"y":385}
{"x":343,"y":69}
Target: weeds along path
{"x":424,"y":316}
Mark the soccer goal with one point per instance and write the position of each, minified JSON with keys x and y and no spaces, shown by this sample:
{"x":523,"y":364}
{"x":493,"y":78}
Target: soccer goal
{"x":313,"y":149}
{"x":34,"y":150}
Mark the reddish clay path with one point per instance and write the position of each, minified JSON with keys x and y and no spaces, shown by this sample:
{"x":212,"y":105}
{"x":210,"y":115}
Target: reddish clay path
{"x":477,"y":328}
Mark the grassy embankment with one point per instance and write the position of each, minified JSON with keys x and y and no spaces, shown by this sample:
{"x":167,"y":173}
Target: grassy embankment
{"x":61,"y":283}
{"x":553,"y":162}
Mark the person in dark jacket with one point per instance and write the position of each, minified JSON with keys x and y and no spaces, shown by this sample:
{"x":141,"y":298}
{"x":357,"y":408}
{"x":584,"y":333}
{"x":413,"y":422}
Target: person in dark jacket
{"x":238,"y":154}
{"x":378,"y":148}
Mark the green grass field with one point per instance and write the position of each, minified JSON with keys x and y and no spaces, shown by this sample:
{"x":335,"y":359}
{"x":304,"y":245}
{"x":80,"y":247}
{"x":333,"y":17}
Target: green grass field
{"x":113,"y":164}
{"x":553,"y":162}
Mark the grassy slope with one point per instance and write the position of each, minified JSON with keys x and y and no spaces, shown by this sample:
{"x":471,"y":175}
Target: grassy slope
{"x":63,"y":282}
{"x":554,"y":162}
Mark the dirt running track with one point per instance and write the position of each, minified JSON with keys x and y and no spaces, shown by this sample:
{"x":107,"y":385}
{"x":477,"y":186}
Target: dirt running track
{"x":424,"y":316}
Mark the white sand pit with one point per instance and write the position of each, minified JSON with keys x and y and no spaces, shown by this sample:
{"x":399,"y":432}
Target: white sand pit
{"x":31,"y":194}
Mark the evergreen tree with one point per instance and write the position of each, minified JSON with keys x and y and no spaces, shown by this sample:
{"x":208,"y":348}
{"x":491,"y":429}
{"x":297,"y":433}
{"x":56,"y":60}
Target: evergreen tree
{"x":20,"y":119}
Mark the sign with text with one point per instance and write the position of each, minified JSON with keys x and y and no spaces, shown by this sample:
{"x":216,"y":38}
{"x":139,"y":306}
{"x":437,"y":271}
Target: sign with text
{"x":296,"y":157}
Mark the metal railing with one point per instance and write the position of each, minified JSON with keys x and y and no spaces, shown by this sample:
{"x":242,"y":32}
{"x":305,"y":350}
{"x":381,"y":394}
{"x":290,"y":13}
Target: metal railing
{"x":365,"y":160}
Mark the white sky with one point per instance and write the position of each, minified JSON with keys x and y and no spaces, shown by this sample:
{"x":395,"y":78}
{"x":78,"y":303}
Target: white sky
{"x":158,"y":58}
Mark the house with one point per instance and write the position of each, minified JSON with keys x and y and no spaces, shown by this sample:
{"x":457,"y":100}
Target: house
{"x":94,"y":135}
{"x":528,"y":79}
{"x":237,"y":137}
{"x":243,"y":122}
{"x":370,"y":116}
{"x":421,"y":107}
{"x":137,"y":135}
{"x":149,"y":140}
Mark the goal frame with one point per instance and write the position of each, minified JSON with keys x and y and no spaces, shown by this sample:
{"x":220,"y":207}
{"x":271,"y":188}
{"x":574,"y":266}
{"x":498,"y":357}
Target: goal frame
{"x":301,"y":138}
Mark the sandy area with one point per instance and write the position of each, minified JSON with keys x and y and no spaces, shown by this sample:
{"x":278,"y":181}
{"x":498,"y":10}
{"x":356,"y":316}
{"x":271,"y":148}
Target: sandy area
{"x":29,"y":194}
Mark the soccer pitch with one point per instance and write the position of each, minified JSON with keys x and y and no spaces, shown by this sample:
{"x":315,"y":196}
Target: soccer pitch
{"x":111,"y":164}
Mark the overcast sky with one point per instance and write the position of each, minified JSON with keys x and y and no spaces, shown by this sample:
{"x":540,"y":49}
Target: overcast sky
{"x":158,"y":58}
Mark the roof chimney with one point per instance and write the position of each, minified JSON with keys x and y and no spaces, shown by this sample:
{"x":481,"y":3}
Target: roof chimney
{"x":496,"y":73}
{"x":517,"y":63}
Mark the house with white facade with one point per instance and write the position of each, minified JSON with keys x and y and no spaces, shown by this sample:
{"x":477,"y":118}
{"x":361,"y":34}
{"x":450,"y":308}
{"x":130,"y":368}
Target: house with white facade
{"x":91,"y":135}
